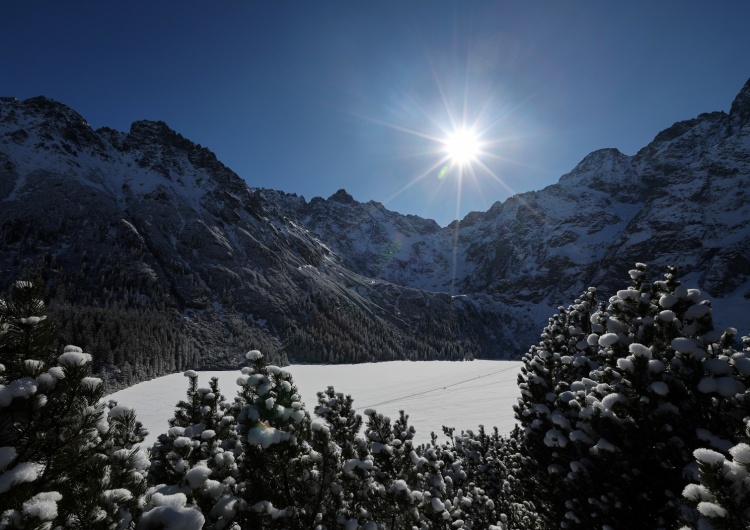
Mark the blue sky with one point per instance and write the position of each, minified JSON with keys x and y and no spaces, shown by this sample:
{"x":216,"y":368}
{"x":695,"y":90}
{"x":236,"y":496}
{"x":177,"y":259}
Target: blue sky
{"x":309,"y":97}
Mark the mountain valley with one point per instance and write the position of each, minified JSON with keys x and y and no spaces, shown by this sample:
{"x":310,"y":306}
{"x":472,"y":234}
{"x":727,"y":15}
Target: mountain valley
{"x":156,"y":257}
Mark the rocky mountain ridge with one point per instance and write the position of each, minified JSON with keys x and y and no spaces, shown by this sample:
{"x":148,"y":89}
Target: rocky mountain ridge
{"x":680,"y":200}
{"x":156,"y":256}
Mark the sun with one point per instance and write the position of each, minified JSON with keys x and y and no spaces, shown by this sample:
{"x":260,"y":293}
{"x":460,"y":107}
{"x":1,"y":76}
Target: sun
{"x":462,"y":146}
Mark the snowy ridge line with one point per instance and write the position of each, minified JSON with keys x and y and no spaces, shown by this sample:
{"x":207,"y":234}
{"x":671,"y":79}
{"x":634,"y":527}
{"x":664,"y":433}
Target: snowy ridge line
{"x":408,"y":396}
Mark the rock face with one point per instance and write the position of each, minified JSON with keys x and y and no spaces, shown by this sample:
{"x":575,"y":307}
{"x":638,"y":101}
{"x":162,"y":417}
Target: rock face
{"x":157,"y":257}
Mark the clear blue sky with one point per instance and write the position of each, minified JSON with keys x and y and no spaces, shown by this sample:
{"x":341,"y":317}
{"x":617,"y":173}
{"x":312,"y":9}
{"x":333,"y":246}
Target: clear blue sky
{"x":309,"y":97}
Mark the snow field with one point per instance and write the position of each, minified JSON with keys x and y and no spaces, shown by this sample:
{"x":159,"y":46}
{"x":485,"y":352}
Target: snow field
{"x":433,"y":393}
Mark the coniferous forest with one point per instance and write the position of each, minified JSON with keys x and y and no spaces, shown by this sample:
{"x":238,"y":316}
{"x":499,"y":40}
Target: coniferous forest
{"x":634,"y":412}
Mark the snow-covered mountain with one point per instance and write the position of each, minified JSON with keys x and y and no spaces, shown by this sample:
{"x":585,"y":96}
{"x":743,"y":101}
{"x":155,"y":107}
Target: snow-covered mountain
{"x":156,"y":256}
{"x":681,"y":200}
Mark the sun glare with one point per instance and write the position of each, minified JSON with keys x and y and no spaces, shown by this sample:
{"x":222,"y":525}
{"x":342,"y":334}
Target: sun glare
{"x":462,"y":146}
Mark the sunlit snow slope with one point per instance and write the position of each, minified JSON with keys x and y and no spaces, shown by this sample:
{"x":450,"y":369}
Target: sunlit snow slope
{"x":434,"y":393}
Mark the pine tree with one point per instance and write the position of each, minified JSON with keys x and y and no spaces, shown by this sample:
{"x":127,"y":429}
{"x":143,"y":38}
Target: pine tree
{"x":66,"y":459}
{"x":391,"y":501}
{"x":619,"y":441}
{"x":721,"y":497}
{"x":342,"y":472}
{"x":489,"y":494}
{"x":27,"y":333}
{"x":670,"y":386}
{"x":276,"y":461}
{"x":197,"y":456}
{"x":551,"y":374}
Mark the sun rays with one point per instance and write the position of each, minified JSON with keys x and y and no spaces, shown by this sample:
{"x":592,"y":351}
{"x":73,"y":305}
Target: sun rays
{"x":457,"y":134}
{"x":459,"y":149}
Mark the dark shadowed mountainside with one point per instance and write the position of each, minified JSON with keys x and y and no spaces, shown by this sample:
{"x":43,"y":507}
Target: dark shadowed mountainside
{"x":157,"y":257}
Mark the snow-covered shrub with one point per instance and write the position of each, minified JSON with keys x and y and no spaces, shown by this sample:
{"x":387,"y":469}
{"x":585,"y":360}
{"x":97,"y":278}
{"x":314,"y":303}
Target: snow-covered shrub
{"x":488,"y":492}
{"x":391,"y":466}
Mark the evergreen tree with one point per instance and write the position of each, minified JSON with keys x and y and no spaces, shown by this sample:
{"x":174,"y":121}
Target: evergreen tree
{"x":391,"y":491}
{"x":66,"y":459}
{"x":27,"y":332}
{"x":619,"y":441}
{"x":341,"y":463}
{"x":721,"y":499}
{"x":488,"y":493}
{"x":197,"y":456}
{"x":276,"y":461}
{"x":551,"y":372}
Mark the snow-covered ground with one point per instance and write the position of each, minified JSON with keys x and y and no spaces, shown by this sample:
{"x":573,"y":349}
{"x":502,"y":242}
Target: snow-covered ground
{"x":433,"y":393}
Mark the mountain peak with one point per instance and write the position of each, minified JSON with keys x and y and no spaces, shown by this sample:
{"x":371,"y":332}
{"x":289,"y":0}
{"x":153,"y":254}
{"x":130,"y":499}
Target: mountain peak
{"x":155,"y":132}
{"x":600,"y":155}
{"x":52,"y":118}
{"x":741,"y":105}
{"x":160,"y":148}
{"x":45,"y":105}
{"x":606,"y":163}
{"x":342,"y":196}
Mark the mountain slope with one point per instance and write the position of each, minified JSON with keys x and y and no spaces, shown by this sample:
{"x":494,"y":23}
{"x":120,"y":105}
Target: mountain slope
{"x":157,"y":257}
{"x":680,"y":200}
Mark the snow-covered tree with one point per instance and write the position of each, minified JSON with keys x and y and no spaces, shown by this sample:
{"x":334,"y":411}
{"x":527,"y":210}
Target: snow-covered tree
{"x":551,"y":372}
{"x":661,"y":383}
{"x":196,"y":457}
{"x":67,"y":460}
{"x":392,"y":490}
{"x":488,"y":492}
{"x":339,"y":414}
{"x":26,"y":331}
{"x":341,"y":462}
{"x":276,"y":461}
{"x":721,"y":499}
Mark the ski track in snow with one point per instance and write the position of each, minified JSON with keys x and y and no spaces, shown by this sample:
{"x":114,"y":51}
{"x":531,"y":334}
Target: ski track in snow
{"x":433,"y":393}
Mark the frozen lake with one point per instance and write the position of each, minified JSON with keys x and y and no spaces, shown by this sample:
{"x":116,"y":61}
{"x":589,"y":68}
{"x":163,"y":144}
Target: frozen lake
{"x":433,"y":393}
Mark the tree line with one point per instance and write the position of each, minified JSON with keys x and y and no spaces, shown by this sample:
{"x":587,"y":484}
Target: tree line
{"x":634,"y":412}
